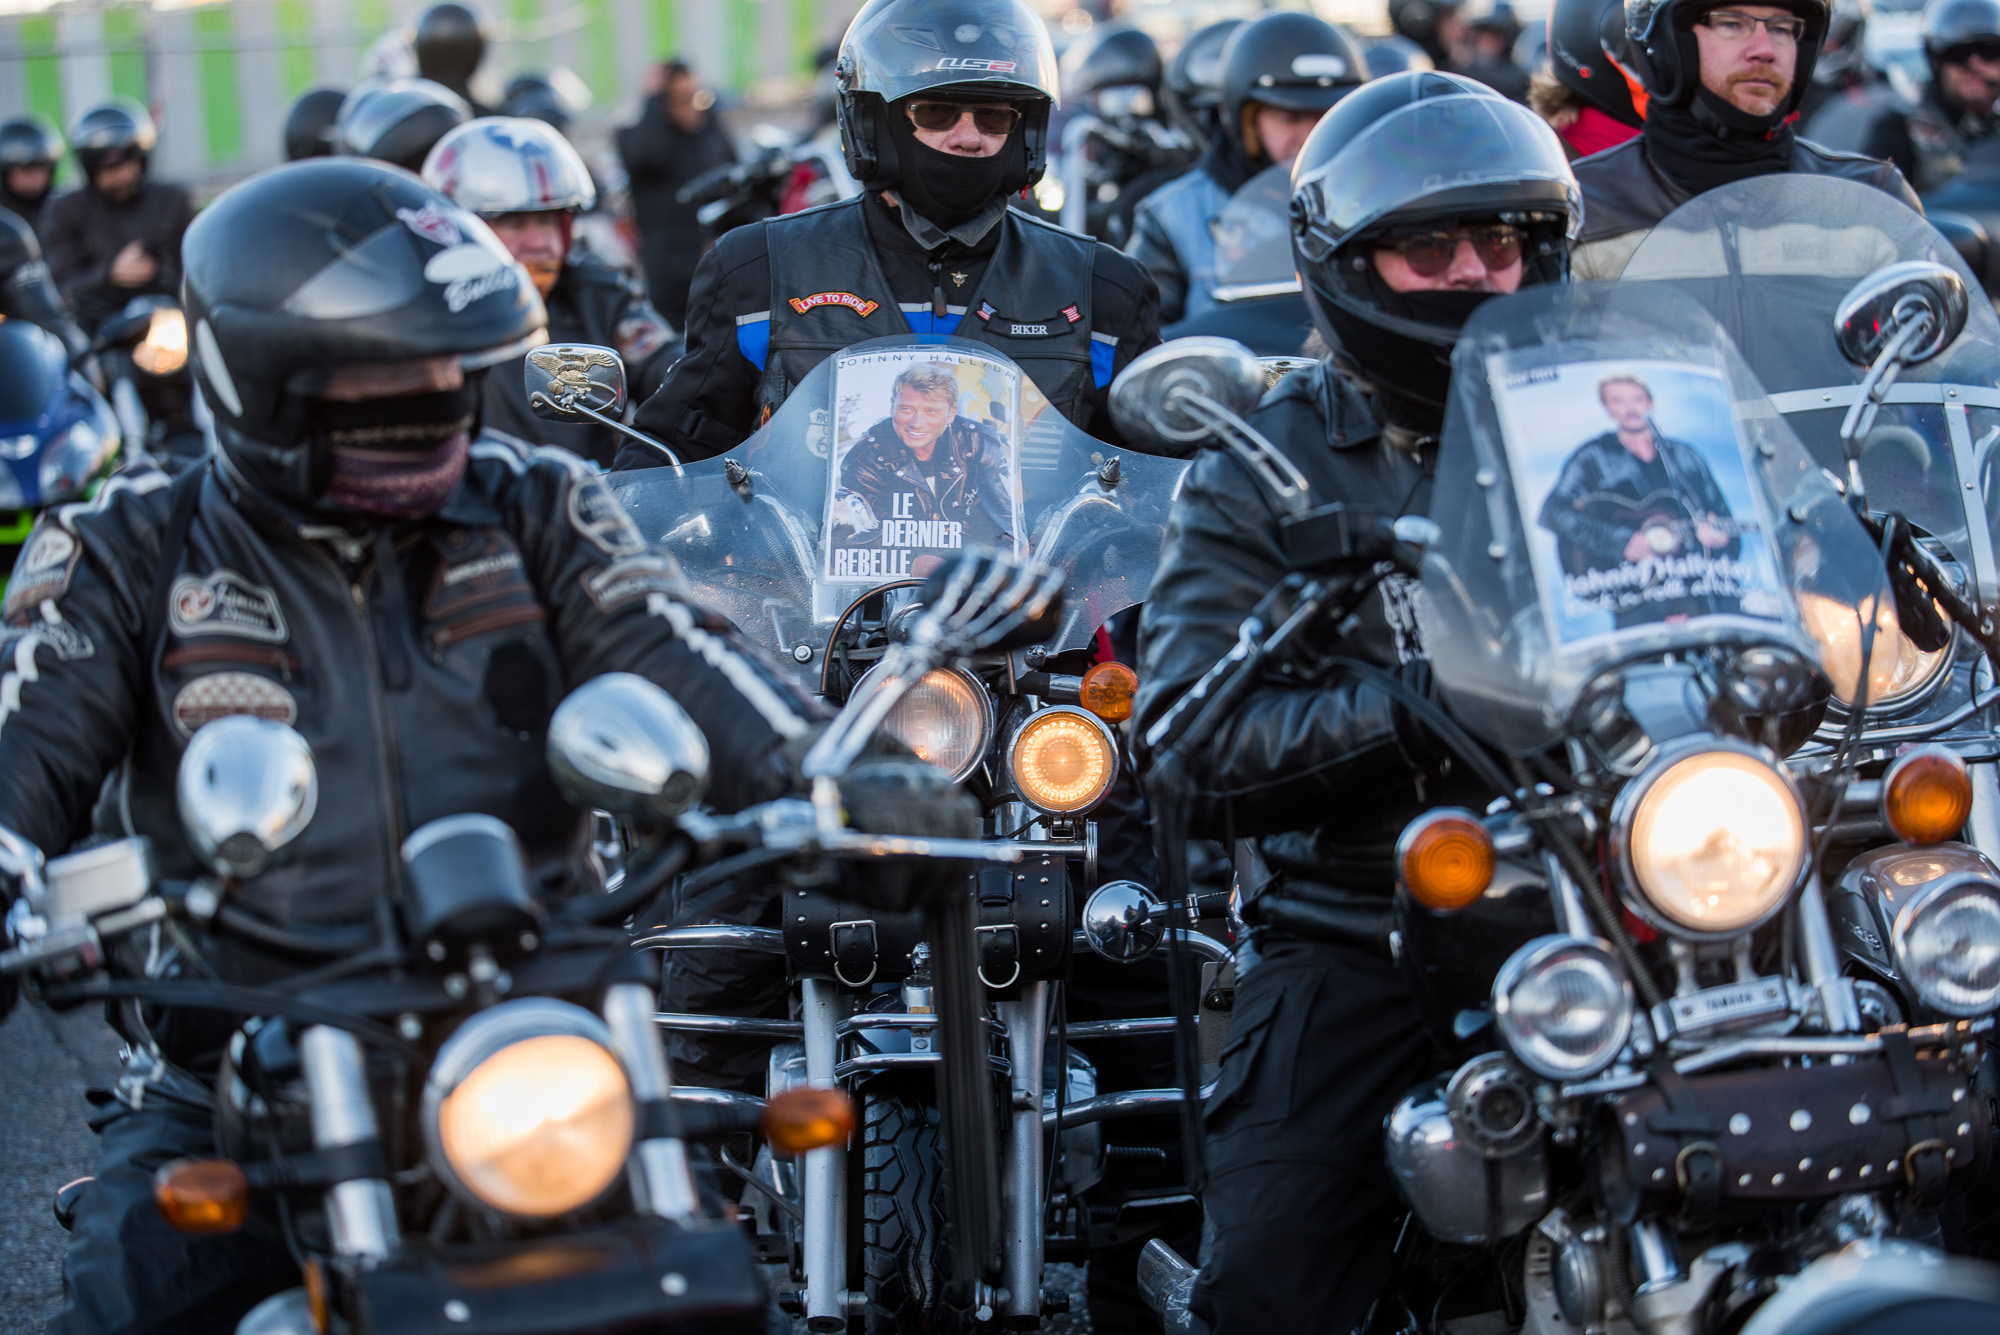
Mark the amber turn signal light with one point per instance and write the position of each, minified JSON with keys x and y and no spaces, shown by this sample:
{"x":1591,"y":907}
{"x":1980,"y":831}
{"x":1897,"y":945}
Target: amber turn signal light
{"x":808,"y":1119}
{"x":1927,"y":795}
{"x":1107,"y":691}
{"x":202,"y":1195}
{"x":1446,"y":857}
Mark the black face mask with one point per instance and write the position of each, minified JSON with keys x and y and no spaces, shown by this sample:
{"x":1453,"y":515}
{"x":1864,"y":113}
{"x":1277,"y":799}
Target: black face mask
{"x":399,"y":456}
{"x":947,"y":189}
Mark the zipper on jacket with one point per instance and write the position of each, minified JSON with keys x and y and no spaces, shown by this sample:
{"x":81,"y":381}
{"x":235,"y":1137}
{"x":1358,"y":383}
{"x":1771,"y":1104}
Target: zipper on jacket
{"x":937,"y":292}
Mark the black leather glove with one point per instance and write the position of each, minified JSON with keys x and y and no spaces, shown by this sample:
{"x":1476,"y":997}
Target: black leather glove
{"x":905,"y":796}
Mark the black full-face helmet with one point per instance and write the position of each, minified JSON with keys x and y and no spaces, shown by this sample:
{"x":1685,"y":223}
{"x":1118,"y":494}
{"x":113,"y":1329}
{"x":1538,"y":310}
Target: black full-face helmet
{"x":1420,"y":21}
{"x":450,"y":41}
{"x":995,"y":50}
{"x":330,"y":263}
{"x":1193,"y":87}
{"x":1667,"y":61}
{"x":1410,"y":152}
{"x":309,"y":125}
{"x":1955,"y":30}
{"x":112,"y":132}
{"x":398,"y":120}
{"x":1291,"y":60}
{"x":30,"y":140}
{"x":1585,"y":38}
{"x":1114,"y":56}
{"x":1396,"y":55}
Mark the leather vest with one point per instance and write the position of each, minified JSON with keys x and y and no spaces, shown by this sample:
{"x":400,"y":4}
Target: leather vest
{"x":1032,"y":303}
{"x":1185,"y":211}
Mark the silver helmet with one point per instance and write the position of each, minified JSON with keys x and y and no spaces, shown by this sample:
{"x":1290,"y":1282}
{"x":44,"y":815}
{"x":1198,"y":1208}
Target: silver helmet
{"x":507,"y":164}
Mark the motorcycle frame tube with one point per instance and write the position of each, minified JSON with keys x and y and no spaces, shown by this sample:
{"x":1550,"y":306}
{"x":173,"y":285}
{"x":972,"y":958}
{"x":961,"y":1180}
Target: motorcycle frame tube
{"x":824,"y":1185}
{"x":1983,"y":829}
{"x":362,"y":1211}
{"x":660,"y":1165}
{"x":1821,"y":956}
{"x":1026,"y":1020}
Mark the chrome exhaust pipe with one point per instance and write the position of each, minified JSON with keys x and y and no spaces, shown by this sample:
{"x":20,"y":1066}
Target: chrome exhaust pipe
{"x":1167,"y":1283}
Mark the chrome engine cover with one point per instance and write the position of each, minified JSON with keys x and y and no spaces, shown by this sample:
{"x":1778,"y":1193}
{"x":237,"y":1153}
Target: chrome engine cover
{"x":1460,"y":1194}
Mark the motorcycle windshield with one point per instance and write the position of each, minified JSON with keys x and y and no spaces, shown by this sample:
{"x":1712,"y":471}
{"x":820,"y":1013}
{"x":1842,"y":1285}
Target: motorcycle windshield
{"x":888,"y":459}
{"x":32,"y":364}
{"x":1253,"y":239}
{"x":1771,"y":258}
{"x":1613,"y":484}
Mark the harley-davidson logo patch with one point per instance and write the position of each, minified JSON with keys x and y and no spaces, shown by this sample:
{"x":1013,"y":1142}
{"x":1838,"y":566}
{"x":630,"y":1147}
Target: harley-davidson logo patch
{"x":861,"y":306}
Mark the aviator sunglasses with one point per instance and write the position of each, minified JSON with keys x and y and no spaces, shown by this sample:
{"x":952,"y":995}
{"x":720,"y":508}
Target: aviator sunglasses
{"x":937,"y":116}
{"x":1430,"y":253}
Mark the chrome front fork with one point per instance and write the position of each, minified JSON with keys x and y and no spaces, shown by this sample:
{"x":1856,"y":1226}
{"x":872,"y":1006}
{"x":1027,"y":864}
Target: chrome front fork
{"x":1982,"y":831}
{"x":660,"y":1164}
{"x":361,"y":1212}
{"x":1026,"y":1022}
{"x":825,"y":1185}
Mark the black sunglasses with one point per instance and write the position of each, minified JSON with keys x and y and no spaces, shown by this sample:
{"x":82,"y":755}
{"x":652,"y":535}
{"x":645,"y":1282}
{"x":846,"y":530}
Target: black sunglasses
{"x":1430,"y":253}
{"x":938,"y":116}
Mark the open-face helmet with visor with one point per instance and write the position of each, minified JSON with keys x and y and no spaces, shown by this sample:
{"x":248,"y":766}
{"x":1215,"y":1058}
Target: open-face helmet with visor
{"x":322,"y":266}
{"x":1956,"y":30}
{"x":1289,"y":60}
{"x":1667,"y":60}
{"x":1406,"y":158}
{"x":110,"y":133}
{"x":970,"y":50}
{"x":509,"y":164}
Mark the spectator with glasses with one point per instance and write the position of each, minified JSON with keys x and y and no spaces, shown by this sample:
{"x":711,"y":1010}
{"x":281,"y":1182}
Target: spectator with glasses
{"x":1723,"y":81}
{"x":944,"y":112}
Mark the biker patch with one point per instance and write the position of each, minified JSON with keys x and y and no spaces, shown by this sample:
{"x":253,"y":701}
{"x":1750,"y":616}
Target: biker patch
{"x":598,"y":518}
{"x":861,"y":306}
{"x":480,"y":569}
{"x":43,"y":570}
{"x":225,"y":603}
{"x":634,"y":578}
{"x":221,"y":694}
{"x":69,"y":643}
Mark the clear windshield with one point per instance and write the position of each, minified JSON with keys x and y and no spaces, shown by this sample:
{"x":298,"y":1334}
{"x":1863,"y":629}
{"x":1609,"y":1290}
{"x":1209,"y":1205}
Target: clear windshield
{"x":889,"y":458}
{"x":1613,"y":484}
{"x":1253,"y":239}
{"x":1771,"y":258}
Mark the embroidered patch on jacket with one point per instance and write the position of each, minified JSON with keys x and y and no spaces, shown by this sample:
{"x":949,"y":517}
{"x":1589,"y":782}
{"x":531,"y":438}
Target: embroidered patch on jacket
{"x":597,"y":517}
{"x":633,"y":578}
{"x":1015,"y":329}
{"x":225,"y":603}
{"x":637,"y":337}
{"x":1072,"y":314}
{"x":861,"y":306}
{"x":221,"y":694}
{"x":987,"y":310}
{"x":43,"y":569}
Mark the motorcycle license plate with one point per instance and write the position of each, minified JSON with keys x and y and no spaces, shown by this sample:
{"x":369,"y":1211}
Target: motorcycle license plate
{"x":1732,"y":1004}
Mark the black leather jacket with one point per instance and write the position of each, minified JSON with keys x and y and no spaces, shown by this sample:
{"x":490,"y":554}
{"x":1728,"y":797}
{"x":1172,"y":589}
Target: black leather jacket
{"x":421,"y":663}
{"x":1320,"y":772}
{"x":1624,"y":194}
{"x":970,"y":471}
{"x":590,"y":303}
{"x":84,"y":231}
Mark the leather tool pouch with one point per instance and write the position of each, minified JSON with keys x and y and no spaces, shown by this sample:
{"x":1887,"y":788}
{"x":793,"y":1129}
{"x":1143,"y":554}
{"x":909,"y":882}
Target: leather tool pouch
{"x":1024,"y":929}
{"x":1769,"y":1135}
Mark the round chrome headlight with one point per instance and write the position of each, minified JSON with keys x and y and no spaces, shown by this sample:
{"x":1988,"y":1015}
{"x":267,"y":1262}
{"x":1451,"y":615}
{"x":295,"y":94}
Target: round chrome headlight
{"x":1947,"y":943}
{"x":526,"y":1111}
{"x":1564,"y":1006}
{"x":946,"y":718}
{"x":1063,"y":760}
{"x":1713,"y":839}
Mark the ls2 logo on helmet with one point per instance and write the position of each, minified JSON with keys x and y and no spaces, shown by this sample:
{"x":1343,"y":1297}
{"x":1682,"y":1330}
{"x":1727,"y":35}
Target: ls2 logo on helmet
{"x":974,"y":63}
{"x":861,"y":306}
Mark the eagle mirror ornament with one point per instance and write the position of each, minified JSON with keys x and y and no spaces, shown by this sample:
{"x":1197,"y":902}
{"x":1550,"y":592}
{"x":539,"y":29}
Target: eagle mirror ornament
{"x":566,"y":381}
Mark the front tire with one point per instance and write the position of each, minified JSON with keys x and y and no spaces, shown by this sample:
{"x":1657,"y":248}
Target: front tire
{"x":905,"y":1214}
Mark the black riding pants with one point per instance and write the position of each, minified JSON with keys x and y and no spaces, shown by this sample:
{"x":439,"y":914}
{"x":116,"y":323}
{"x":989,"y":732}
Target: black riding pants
{"x":1323,"y":1041}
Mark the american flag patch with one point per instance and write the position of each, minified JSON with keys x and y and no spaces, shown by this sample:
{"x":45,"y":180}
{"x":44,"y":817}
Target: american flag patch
{"x":987,"y":310}
{"x":1072,"y":314}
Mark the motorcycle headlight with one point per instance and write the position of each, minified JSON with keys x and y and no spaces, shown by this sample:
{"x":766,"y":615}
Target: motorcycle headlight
{"x":1947,"y":943}
{"x":1713,"y":839}
{"x":946,"y":718}
{"x":69,"y":464}
{"x":1063,"y":760}
{"x":164,"y":349}
{"x":1564,"y":1006}
{"x":526,"y":1111}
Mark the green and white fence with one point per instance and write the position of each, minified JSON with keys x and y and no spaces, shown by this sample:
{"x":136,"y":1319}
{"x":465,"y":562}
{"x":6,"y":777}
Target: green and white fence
{"x":220,"y":76}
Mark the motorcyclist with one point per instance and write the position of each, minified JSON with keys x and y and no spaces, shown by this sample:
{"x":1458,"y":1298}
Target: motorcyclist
{"x":26,"y":290}
{"x":1192,"y":87}
{"x":1843,"y":71}
{"x":1316,"y":778}
{"x":119,"y":236}
{"x":1280,"y":72}
{"x":399,"y":121}
{"x":309,"y":125}
{"x":929,"y":247}
{"x":1930,"y":139}
{"x":1723,"y":81}
{"x":533,"y":95}
{"x":1117,"y":77}
{"x":450,"y":41}
{"x":30,"y":148}
{"x":525,"y":180}
{"x":354,"y":562}
{"x":1486,"y":52}
{"x":1395,"y":54}
{"x":1435,"y":25}
{"x":1585,"y":92}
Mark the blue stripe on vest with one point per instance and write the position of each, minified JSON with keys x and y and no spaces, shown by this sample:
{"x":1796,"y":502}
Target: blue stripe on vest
{"x":1101,"y":357}
{"x":753,"y":340}
{"x":925,"y":325}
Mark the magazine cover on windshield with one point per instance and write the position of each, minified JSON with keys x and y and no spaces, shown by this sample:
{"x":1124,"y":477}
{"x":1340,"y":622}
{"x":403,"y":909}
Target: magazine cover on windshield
{"x":1638,"y":507}
{"x":925,"y":462}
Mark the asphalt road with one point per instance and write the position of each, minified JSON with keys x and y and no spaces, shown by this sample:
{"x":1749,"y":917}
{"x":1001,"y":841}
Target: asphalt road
{"x":46,"y":1062}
